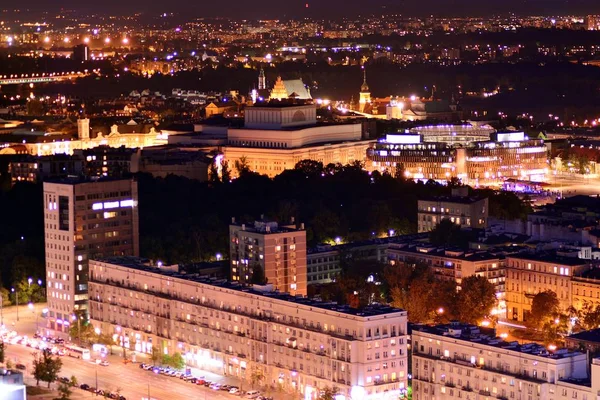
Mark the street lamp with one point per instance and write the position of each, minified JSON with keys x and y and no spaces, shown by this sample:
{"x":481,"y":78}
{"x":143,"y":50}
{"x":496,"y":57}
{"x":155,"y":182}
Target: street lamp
{"x":16,"y":292}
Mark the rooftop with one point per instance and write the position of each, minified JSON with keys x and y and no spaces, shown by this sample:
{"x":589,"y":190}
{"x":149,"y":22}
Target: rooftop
{"x":473,"y":334}
{"x":550,"y":257}
{"x":76,"y":180}
{"x":449,"y":253}
{"x":454,"y":199}
{"x":142,"y":264}
{"x":592,"y":335}
{"x":266,"y":226}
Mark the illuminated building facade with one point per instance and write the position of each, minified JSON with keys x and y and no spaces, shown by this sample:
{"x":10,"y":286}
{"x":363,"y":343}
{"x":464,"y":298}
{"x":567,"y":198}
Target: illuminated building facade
{"x":507,"y":155}
{"x":452,"y":264}
{"x":298,"y":344}
{"x":84,"y":219}
{"x":277,"y":135}
{"x":529,"y":274}
{"x":460,"y":361}
{"x":130,"y":135}
{"x":468,"y":212}
{"x":286,"y":89}
{"x":279,"y":250}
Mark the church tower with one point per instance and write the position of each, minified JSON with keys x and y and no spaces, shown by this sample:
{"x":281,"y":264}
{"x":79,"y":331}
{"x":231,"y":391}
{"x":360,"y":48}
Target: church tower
{"x":365,"y":95}
{"x":262,"y":80}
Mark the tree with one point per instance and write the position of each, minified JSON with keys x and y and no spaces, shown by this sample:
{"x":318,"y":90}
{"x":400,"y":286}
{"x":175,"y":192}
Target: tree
{"x":106,"y":340}
{"x":225,"y":172}
{"x":328,"y":393}
{"x":310,"y":168}
{"x":81,"y":329}
{"x":258,"y":275}
{"x":155,"y":356}
{"x":400,"y":172}
{"x":590,"y":316}
{"x":2,"y":352}
{"x":213,"y":173}
{"x":447,"y":233}
{"x":74,"y":383}
{"x":256,"y":376}
{"x":544,"y":307}
{"x":177,"y":361}
{"x":46,"y":367}
{"x":475,"y":300}
{"x":64,"y":389}
{"x":241,"y":166}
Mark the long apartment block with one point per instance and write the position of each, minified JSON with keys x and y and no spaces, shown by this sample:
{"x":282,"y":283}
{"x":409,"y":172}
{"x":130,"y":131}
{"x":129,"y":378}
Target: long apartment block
{"x":299,"y":344}
{"x":458,"y":361}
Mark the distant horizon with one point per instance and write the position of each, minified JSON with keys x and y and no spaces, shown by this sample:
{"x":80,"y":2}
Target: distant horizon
{"x":334,"y":9}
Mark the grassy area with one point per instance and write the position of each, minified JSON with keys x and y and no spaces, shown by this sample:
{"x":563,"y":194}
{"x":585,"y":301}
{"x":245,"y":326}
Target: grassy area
{"x":36,"y":390}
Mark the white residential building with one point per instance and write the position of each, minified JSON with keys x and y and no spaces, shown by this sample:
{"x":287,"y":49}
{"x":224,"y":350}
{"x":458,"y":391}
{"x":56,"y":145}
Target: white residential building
{"x":300,"y":345}
{"x":458,"y":361}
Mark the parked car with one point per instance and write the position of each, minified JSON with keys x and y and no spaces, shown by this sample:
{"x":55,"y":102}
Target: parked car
{"x":64,"y":379}
{"x":20,"y":366}
{"x":192,"y":380}
{"x":143,"y":366}
{"x":215,"y":386}
{"x":207,"y":383}
{"x":252,"y":394}
{"x":84,"y":386}
{"x":234,"y":390}
{"x":104,"y":363}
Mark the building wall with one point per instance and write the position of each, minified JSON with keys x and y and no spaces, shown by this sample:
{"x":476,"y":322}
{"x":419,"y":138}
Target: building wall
{"x":445,"y":367}
{"x":525,"y":278}
{"x":281,"y":254}
{"x":280,"y":117}
{"x":452,"y":265}
{"x":82,"y":221}
{"x":294,"y":138}
{"x":300,"y":347}
{"x":467,"y":215}
{"x":273,"y":161}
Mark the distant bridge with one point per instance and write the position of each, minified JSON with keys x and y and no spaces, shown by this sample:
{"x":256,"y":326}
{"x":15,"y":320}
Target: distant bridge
{"x":39,"y":78}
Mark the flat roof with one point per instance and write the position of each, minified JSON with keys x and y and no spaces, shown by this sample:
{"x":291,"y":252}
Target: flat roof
{"x":454,"y":199}
{"x":472,"y":334}
{"x":142,"y":264}
{"x":550,"y":258}
{"x":452,"y":253}
{"x":76,"y":180}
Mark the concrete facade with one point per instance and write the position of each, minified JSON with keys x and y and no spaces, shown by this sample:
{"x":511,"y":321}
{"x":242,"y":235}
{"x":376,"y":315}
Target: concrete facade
{"x":84,"y":219}
{"x":297,"y":344}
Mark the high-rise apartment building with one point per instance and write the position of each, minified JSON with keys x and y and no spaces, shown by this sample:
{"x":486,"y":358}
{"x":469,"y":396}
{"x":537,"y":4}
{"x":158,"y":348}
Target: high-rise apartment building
{"x":84,"y":219}
{"x":279,"y":250}
{"x":299,"y":345}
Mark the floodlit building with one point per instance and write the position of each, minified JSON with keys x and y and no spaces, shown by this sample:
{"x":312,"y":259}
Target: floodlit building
{"x":504,"y":156}
{"x":280,"y":251}
{"x":297,"y":344}
{"x":459,"y":361}
{"x":460,"y":208}
{"x":84,"y":219}
{"x":278,"y":134}
{"x":528,"y":274}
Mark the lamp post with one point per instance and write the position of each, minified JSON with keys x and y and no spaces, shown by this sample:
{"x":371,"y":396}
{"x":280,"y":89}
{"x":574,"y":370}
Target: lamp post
{"x":16,"y":292}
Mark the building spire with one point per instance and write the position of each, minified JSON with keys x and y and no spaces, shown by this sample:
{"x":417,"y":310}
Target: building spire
{"x":364,"y":87}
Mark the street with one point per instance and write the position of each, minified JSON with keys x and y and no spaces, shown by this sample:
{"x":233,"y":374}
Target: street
{"x":129,"y":379}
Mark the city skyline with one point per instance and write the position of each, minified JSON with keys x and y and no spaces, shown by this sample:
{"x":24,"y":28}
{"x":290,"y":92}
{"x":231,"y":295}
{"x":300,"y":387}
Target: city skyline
{"x":330,"y":9}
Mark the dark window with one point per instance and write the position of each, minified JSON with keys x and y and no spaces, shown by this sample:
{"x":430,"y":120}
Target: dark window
{"x":63,"y":212}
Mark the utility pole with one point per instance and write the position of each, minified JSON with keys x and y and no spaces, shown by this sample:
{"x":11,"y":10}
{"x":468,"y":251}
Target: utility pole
{"x":16,"y":292}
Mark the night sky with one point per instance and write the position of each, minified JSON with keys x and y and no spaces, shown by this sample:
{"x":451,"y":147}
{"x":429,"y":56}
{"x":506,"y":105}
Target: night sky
{"x":323,"y":8}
